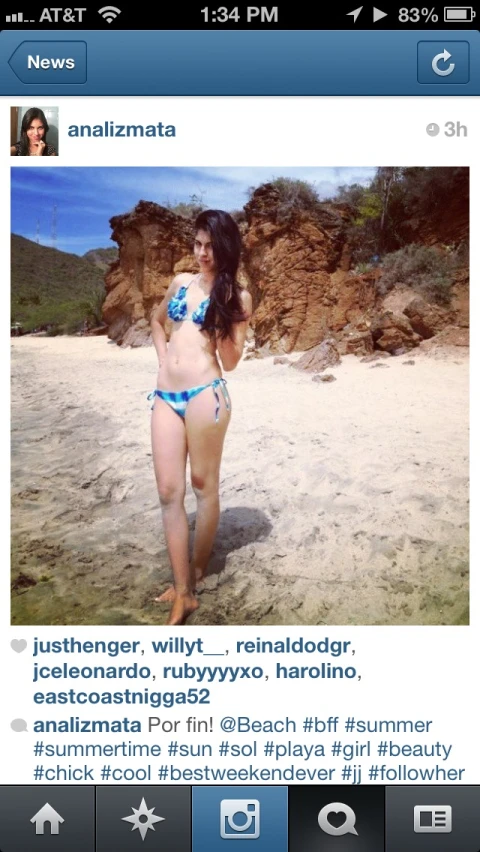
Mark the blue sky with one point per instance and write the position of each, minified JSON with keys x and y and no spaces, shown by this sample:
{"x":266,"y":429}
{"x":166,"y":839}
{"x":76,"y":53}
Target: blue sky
{"x":86,"y":198}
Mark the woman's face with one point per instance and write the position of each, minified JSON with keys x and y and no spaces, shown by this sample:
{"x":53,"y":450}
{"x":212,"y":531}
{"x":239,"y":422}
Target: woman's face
{"x":203,"y":251}
{"x":35,"y":131}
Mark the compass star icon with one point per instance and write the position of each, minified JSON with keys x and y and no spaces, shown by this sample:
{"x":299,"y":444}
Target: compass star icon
{"x":143,"y":818}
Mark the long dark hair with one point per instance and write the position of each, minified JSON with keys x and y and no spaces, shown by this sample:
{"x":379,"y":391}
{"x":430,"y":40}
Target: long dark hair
{"x":27,"y":119}
{"x":225,"y":307}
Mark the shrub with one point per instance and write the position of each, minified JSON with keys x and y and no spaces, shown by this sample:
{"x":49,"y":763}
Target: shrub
{"x":92,"y":307}
{"x":29,"y":299}
{"x":187,"y":209}
{"x":72,"y":327}
{"x":362,"y":268}
{"x":423,"y":268}
{"x":294,"y":197}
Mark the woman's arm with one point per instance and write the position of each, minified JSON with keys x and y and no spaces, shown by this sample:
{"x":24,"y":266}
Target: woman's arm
{"x":13,"y":151}
{"x":230,"y":349}
{"x":158,"y":318}
{"x":159,"y":337}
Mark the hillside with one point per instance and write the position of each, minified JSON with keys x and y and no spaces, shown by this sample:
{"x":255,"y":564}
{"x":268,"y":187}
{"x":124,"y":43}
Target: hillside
{"x":102,"y":257}
{"x":50,"y":287}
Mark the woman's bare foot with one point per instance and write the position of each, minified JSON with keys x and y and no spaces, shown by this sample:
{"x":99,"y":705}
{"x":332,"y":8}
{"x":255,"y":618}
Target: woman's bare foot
{"x":182,"y":607}
{"x":168,"y":596}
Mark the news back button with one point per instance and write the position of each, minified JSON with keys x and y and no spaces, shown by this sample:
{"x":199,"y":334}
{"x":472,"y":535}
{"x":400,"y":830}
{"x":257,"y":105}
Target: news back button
{"x":50,"y":62}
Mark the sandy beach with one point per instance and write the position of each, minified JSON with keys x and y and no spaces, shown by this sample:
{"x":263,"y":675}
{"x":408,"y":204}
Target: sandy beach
{"x":341,"y":503}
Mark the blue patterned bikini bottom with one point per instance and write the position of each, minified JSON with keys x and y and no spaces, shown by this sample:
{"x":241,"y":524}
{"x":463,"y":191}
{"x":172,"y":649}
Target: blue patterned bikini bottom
{"x":178,"y":400}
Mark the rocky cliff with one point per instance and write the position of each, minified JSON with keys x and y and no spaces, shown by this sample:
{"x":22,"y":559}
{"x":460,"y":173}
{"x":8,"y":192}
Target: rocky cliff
{"x":298,"y":275}
{"x":154,"y":245}
{"x":297,"y":268}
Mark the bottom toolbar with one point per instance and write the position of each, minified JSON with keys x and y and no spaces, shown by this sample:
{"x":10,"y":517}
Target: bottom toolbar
{"x":205,"y":819}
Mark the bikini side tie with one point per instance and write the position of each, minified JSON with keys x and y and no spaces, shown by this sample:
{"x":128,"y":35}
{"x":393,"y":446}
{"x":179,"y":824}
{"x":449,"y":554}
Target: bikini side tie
{"x":215,"y":384}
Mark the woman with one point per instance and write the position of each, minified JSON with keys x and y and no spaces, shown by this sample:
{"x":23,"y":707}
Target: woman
{"x":192,"y":407}
{"x":33,"y":136}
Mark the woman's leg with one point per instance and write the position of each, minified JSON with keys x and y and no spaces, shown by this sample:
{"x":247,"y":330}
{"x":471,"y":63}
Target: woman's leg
{"x":205,"y":444}
{"x":169,"y":448}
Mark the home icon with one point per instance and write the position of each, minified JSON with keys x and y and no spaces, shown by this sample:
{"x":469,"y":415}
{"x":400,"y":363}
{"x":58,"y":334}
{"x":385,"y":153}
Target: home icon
{"x":47,"y":814}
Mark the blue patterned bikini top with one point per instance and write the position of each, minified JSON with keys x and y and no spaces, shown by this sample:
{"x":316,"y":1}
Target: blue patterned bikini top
{"x":177,"y":307}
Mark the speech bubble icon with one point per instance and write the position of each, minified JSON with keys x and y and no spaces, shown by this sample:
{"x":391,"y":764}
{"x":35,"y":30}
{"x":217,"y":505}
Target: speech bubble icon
{"x":348,"y":823}
{"x":18,"y":645}
{"x":18,"y":725}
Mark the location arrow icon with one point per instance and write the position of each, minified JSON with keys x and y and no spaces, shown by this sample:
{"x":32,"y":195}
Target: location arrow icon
{"x":355,"y":13}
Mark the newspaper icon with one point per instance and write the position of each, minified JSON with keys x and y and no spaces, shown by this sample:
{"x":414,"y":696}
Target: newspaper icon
{"x":432,"y":819}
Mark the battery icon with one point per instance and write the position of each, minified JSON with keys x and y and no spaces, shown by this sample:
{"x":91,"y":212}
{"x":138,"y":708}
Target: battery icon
{"x":459,"y":14}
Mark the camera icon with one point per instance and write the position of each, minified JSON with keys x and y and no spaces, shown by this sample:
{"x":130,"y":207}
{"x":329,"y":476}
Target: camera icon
{"x":239,"y":819}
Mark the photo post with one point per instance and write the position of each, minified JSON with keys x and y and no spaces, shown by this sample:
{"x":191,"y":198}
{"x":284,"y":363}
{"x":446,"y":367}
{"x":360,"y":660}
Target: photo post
{"x":340,"y":502}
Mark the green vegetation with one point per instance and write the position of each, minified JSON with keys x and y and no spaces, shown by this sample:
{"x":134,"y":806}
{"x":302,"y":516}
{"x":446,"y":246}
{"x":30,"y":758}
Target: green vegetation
{"x":102,"y":257}
{"x":392,"y":217}
{"x":428,"y":270}
{"x":295,"y":197}
{"x":53,"y":290}
{"x":189,"y":210}
{"x":390,"y":221}
{"x":400,"y":205}
{"x":362,"y":268}
{"x":92,"y":305}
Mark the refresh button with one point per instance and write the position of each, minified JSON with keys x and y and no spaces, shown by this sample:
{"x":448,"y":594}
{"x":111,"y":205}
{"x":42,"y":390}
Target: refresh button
{"x":445,"y":56}
{"x":443,"y":63}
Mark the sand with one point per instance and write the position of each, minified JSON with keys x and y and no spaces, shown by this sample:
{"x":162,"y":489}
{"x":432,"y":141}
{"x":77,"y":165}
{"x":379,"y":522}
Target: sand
{"x":342,"y":503}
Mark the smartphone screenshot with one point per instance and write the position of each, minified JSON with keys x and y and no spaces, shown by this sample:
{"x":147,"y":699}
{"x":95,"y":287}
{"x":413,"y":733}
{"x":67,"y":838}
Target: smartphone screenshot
{"x":242,"y":598}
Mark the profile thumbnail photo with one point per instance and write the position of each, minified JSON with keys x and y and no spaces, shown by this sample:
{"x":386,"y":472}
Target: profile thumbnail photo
{"x":34,"y":131}
{"x":240,"y":395}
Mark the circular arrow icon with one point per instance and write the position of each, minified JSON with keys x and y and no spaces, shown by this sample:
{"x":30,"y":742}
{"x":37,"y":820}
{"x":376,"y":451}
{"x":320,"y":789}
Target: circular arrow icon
{"x":436,"y":59}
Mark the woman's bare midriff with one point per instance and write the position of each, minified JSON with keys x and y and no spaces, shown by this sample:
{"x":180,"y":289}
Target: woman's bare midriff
{"x":190,"y":361}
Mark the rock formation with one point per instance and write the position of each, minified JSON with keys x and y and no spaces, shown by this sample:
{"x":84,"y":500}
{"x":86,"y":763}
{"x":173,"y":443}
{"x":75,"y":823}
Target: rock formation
{"x":298,"y":274}
{"x":319,"y":358}
{"x":297,"y":268}
{"x":154,"y":246}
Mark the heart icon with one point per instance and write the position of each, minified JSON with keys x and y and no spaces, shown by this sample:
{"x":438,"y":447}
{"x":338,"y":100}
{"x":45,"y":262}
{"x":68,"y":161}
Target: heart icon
{"x":337,"y":818}
{"x":18,"y":645}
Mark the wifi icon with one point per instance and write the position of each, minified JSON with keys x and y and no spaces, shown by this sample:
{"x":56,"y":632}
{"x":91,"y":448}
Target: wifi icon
{"x":109,"y":13}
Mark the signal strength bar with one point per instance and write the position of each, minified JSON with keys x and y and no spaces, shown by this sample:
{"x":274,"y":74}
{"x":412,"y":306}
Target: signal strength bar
{"x":18,"y":18}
